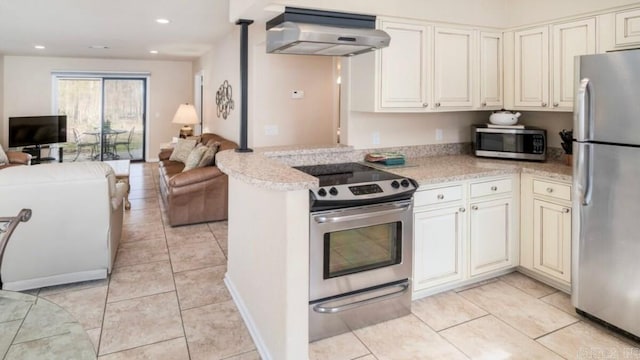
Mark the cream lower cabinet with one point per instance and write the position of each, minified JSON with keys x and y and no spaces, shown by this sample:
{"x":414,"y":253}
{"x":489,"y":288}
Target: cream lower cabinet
{"x":438,"y":233}
{"x":492,"y":225}
{"x":546,"y":230}
{"x":464,"y":233}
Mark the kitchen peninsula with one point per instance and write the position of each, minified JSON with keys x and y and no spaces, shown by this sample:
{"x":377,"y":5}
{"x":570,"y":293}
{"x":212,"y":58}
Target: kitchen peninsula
{"x":268,"y":265}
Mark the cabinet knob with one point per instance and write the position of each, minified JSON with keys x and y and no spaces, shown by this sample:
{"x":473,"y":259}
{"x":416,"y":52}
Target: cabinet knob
{"x":549,"y":190}
{"x":462,"y":209}
{"x":484,"y":104}
{"x":474,"y":207}
{"x":556,"y":104}
{"x":425,"y":104}
{"x":440,"y":196}
{"x":494,"y":188}
{"x":566,"y":210}
{"x":437,"y":104}
{"x":544,"y":104}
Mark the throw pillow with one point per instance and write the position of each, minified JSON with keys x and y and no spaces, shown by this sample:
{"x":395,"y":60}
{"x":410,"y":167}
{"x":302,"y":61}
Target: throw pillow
{"x":194,"y":158}
{"x":209,"y":156}
{"x":3,"y":157}
{"x":182,"y":150}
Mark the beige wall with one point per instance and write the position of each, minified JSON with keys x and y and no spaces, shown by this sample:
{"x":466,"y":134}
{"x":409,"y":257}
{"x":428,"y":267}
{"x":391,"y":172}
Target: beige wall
{"x":310,"y":120}
{"x":28,"y":84}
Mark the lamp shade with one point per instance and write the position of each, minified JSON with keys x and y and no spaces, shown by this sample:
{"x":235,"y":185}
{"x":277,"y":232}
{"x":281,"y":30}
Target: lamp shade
{"x":185,"y":115}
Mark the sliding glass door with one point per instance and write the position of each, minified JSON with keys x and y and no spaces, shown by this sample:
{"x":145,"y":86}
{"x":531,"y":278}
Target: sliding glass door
{"x":105,"y":116}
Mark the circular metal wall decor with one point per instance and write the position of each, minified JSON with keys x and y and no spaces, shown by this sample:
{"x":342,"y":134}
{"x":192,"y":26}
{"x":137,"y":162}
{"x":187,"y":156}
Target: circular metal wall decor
{"x":224,"y":99}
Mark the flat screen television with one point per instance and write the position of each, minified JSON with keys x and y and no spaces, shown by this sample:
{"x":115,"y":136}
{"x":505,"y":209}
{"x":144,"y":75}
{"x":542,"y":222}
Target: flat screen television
{"x":37,"y":130}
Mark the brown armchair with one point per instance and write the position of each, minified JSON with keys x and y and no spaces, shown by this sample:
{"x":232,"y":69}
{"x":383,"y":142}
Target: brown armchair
{"x":197,"y":195}
{"x":17,"y":158}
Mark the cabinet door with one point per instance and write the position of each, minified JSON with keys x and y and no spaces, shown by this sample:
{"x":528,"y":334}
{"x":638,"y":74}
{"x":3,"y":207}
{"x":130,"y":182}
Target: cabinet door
{"x":490,"y":70}
{"x":490,"y":236}
{"x":570,"y":40}
{"x":627,"y":27}
{"x":532,"y":67}
{"x":552,"y":239}
{"x":403,"y":70}
{"x":452,"y":73}
{"x":437,"y":246}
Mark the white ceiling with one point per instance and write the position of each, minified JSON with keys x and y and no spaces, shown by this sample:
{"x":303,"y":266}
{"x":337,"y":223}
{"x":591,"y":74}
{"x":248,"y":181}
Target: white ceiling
{"x":128,"y":27}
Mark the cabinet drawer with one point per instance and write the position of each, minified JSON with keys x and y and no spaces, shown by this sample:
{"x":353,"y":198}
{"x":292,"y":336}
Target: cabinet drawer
{"x":437,"y":196}
{"x":492,"y":187}
{"x":551,"y":189}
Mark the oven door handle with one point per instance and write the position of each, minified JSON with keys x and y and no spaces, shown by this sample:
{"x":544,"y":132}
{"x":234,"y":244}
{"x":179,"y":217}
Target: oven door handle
{"x":363,"y":215}
{"x":323,"y":309}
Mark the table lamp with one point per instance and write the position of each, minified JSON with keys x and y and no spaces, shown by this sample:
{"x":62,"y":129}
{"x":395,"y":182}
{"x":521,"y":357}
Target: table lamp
{"x":185,"y":115}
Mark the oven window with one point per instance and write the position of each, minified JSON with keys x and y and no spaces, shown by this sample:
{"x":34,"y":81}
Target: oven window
{"x":361,"y":249}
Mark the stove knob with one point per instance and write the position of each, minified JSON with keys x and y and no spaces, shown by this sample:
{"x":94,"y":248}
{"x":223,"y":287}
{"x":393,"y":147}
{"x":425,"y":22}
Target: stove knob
{"x":322,"y":192}
{"x":404,"y":183}
{"x":395,"y":184}
{"x":333,"y":191}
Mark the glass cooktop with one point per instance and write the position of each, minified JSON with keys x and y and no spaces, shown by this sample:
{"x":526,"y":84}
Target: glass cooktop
{"x":346,"y":173}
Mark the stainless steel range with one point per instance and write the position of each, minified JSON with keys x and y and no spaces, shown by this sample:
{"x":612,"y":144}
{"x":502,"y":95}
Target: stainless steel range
{"x":361,"y":226}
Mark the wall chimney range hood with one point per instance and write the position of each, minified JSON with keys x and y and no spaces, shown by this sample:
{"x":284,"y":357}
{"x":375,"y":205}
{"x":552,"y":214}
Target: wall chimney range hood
{"x":314,"y":32}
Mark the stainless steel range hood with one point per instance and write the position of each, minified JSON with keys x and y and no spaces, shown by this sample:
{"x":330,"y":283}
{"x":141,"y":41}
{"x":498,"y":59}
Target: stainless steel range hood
{"x":312,"y":32}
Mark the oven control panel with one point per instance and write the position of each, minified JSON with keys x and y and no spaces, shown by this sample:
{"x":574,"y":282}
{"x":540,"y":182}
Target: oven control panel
{"x":365,"y":189}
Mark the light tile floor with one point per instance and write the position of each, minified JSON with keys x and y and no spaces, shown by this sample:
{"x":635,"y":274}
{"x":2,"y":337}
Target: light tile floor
{"x":166,"y":299}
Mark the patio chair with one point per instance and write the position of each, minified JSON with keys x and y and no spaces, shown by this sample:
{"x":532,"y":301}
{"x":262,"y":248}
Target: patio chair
{"x":126,"y":142}
{"x":80,"y":143}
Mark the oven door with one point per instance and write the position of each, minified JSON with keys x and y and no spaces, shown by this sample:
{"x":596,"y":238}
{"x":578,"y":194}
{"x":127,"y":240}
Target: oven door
{"x":360,"y":247}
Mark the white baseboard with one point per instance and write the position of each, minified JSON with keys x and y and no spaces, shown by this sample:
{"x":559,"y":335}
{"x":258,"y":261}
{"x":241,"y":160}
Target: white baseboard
{"x":419,"y":294}
{"x":248,"y":320}
{"x":54,"y":280}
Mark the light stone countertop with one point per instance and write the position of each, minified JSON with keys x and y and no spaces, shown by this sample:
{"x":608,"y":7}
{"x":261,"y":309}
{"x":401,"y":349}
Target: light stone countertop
{"x":267,"y":170}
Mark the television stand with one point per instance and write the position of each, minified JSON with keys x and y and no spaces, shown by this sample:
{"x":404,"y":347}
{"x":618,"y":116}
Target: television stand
{"x":36,"y":154}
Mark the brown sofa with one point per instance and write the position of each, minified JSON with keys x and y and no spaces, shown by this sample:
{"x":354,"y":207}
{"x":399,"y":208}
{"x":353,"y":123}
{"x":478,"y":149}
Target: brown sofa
{"x":197,"y":195}
{"x":17,"y":158}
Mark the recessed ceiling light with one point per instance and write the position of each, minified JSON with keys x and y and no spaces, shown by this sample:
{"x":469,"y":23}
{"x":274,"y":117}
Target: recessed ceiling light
{"x":163,"y":21}
{"x":98,"y":47}
{"x":39,"y":47}
{"x":153,"y":51}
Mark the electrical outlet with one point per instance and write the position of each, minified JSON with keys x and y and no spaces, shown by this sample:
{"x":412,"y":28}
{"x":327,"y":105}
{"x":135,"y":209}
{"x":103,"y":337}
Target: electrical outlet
{"x":375,"y":138}
{"x":271,"y":130}
{"x":439,"y":134}
{"x":297,"y":94}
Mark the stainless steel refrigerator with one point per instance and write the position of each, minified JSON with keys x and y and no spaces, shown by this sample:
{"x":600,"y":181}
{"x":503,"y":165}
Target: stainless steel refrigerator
{"x":606,"y":189}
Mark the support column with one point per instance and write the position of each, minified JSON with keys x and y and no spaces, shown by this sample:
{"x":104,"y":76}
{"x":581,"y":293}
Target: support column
{"x":244,"y":76}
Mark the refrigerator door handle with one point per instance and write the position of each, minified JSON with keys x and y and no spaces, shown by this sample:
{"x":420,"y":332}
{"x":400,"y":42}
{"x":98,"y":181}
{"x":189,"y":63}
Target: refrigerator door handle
{"x":584,"y":170}
{"x":584,"y":122}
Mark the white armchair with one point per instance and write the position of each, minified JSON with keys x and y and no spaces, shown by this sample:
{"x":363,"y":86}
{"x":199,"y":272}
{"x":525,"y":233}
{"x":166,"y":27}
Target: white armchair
{"x":76,"y":223}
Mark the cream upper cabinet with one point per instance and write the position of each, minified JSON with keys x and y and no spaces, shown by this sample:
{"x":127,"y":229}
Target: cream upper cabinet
{"x":627,"y":28}
{"x":427,"y":68}
{"x":531,"y":83}
{"x":491,"y":70}
{"x":544,"y":63}
{"x":569,"y":40}
{"x":396,"y":78}
{"x":545,"y":238}
{"x":403,"y":71}
{"x":452,"y":73}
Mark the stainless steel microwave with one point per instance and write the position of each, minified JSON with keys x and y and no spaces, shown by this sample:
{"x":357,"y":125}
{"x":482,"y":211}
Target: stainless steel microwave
{"x":526,"y":143}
